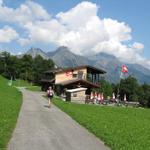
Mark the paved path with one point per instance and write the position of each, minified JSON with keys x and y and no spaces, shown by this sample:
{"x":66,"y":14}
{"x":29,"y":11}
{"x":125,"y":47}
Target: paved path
{"x":41,"y":128}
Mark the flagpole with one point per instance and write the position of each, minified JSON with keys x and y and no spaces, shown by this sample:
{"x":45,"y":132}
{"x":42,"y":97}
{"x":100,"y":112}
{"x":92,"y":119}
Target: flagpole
{"x":118,"y":91}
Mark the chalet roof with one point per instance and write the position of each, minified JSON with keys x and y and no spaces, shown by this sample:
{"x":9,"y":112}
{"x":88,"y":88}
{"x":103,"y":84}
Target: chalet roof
{"x":53,"y":70}
{"x":78,"y":81}
{"x":47,"y":81}
{"x":89,"y":69}
{"x":76,"y":90}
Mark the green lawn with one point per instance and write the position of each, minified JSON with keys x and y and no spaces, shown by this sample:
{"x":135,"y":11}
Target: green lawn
{"x":120,"y":128}
{"x":26,"y":84}
{"x":34,"y":88}
{"x":21,"y":83}
{"x":10,"y":103}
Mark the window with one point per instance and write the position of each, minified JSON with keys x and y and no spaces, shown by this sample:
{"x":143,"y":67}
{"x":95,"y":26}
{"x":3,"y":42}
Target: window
{"x":74,"y":75}
{"x":74,"y":94}
{"x":80,"y":74}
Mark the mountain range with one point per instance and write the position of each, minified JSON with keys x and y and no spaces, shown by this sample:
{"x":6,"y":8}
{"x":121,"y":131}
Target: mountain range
{"x":63,"y":57}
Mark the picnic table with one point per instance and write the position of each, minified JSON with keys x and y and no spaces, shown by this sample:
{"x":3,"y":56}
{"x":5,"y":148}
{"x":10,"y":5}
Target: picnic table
{"x":95,"y":101}
{"x":117,"y":102}
{"x":133,"y":104}
{"x":127,"y":103}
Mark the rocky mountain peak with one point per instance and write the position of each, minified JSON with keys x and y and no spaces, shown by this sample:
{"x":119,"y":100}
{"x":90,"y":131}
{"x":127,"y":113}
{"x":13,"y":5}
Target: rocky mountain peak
{"x":37,"y":51}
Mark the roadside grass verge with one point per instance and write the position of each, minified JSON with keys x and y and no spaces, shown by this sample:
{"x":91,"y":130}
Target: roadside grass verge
{"x":120,"y":128}
{"x":33,"y":88}
{"x":10,"y":103}
{"x":20,"y":83}
{"x":26,"y":84}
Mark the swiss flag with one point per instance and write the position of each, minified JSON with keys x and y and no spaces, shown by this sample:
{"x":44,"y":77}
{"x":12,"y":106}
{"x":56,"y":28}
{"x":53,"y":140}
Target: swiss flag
{"x":124,"y":69}
{"x":69,"y":73}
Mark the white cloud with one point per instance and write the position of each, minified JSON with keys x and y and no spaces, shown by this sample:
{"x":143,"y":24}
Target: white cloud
{"x":27,"y":12}
{"x":78,"y":16}
{"x":123,"y":52}
{"x":7,"y":34}
{"x":79,"y":28}
{"x":117,"y":30}
{"x":19,"y":53}
{"x":138,"y":46}
{"x":43,"y":31}
{"x":24,"y":41}
{"x":83,"y":39}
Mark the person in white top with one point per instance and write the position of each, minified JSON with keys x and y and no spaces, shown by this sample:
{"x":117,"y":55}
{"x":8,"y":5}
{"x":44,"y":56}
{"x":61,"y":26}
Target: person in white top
{"x":50,"y":94}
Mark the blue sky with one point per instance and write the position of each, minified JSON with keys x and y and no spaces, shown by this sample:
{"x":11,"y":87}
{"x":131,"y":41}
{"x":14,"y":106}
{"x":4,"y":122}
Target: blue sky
{"x":114,"y":26}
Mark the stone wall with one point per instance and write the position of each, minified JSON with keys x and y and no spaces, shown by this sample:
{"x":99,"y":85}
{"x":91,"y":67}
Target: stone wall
{"x":78,"y":97}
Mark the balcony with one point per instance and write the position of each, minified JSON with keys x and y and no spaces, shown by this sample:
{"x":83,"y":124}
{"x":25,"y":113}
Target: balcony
{"x":94,"y":78}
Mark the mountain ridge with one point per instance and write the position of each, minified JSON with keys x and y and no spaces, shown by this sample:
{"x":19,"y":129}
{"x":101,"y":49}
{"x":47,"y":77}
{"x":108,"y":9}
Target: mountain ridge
{"x":63,"y":57}
{"x":37,"y":51}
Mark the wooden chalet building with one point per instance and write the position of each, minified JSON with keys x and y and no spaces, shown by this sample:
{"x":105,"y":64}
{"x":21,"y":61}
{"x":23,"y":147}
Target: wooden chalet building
{"x":72,"y":78}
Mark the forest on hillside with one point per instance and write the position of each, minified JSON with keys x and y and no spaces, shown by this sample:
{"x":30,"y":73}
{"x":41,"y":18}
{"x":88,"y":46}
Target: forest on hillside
{"x":25,"y":67}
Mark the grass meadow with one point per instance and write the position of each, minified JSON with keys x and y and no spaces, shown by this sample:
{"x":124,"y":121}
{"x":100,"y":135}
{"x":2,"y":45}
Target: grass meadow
{"x":120,"y":128}
{"x":10,"y":103}
{"x":33,"y":88}
{"x":21,"y":83}
{"x":27,"y":85}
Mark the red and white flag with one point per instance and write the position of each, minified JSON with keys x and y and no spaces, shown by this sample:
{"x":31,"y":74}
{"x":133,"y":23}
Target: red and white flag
{"x":123,"y":72}
{"x":69,"y":73}
{"x":124,"y":69}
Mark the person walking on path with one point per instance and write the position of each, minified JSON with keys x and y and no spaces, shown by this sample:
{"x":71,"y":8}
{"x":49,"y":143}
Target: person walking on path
{"x":50,"y":94}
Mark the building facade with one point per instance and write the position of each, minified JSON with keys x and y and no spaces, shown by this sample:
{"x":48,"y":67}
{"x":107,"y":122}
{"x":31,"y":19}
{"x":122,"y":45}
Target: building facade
{"x":72,"y":78}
